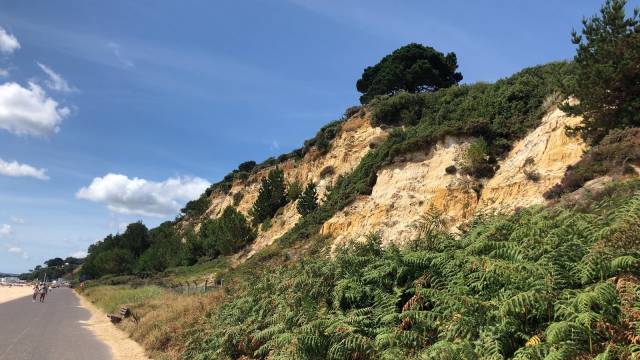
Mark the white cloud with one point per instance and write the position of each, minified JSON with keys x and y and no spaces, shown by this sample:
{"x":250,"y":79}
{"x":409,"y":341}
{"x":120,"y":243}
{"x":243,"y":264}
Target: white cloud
{"x":18,"y":251}
{"x":79,"y":254}
{"x":143,"y":197}
{"x":274,"y":145}
{"x":29,"y":111}
{"x":17,"y":220}
{"x":4,"y":72}
{"x":14,"y":168}
{"x":8,"y":42}
{"x":5,"y":230}
{"x":56,"y":81}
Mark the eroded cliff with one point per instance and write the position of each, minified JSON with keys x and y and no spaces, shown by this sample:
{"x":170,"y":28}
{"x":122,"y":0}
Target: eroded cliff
{"x":407,"y":191}
{"x":408,"y":188}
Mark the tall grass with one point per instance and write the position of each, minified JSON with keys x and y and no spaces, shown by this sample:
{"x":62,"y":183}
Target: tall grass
{"x":111,"y":298}
{"x":165,"y":317}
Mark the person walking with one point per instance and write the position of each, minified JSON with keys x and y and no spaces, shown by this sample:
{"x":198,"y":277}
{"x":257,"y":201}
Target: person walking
{"x":43,"y":292}
{"x":36,"y":291}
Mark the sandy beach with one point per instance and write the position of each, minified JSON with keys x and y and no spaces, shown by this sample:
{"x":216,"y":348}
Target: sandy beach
{"x":122,"y":347}
{"x":8,"y":293}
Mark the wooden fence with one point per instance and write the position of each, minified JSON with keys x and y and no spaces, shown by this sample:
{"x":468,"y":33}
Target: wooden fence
{"x":196,"y":286}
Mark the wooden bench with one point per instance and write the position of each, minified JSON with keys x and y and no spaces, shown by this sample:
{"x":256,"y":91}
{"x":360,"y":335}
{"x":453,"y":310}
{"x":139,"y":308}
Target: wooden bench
{"x":125,"y":312}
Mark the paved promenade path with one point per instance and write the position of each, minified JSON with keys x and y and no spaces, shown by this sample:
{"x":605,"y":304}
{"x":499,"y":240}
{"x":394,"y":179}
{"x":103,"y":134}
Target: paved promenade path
{"x":50,"y":330}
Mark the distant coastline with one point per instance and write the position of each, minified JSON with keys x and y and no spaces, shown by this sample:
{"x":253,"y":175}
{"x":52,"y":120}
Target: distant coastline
{"x":8,"y":275}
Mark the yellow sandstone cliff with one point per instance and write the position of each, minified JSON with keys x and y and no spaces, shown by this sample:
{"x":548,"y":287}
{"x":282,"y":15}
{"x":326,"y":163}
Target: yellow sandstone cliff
{"x":406,"y":191}
{"x":408,"y":188}
{"x":347,"y":149}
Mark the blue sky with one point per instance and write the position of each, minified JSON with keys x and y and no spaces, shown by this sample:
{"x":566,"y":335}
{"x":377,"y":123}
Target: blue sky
{"x":114,"y":111}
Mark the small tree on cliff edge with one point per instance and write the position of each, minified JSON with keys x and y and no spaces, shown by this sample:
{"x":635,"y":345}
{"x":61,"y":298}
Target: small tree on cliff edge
{"x":607,"y":72}
{"x":413,"y":68}
{"x":271,"y":197}
{"x":308,"y":201}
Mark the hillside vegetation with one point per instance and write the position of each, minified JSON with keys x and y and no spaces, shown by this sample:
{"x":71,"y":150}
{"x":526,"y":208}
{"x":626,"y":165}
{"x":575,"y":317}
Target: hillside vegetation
{"x":558,"y":281}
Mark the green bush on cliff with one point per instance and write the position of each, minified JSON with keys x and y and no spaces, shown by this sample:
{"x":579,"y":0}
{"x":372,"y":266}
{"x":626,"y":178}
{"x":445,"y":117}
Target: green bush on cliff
{"x":227,"y":234}
{"x":500,"y":113}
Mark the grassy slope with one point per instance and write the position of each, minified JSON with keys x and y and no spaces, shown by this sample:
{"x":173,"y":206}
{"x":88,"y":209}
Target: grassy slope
{"x":165,"y":317}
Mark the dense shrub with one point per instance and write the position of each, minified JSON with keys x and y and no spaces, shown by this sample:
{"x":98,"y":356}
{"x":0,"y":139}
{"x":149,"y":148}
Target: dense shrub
{"x":352,"y":111}
{"x":266,"y":225}
{"x":164,"y":252}
{"x":294,"y":189}
{"x":247,"y":166}
{"x":323,"y":138}
{"x":241,"y":175}
{"x":476,"y":161}
{"x":194,"y":247}
{"x":614,"y":156}
{"x":195,"y":208}
{"x":117,"y":254}
{"x":499,"y":113}
{"x":226,"y":234}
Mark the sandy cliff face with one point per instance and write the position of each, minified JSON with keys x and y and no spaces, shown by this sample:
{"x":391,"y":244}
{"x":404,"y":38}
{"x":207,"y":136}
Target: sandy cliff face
{"x":406,"y":191}
{"x":349,"y":146}
{"x":545,"y":152}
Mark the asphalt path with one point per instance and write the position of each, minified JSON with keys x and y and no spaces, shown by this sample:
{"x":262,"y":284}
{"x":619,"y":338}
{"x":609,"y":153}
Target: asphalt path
{"x":50,"y":330}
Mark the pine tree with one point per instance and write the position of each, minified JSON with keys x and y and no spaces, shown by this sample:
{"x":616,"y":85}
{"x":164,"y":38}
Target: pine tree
{"x":271,"y":197}
{"x":607,"y":75}
{"x":308,"y":201}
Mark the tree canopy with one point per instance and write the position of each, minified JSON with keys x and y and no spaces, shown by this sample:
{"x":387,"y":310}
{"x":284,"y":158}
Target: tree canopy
{"x":54,"y":262}
{"x":607,"y":72}
{"x":412,"y":68}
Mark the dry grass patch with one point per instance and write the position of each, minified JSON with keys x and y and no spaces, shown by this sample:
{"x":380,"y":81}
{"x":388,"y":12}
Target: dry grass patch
{"x":165,"y":316}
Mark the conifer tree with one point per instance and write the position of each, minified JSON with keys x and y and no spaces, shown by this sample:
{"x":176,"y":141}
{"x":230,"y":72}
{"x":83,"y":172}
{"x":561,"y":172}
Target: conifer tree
{"x":271,"y":197}
{"x":308,"y":201}
{"x":607,"y":72}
